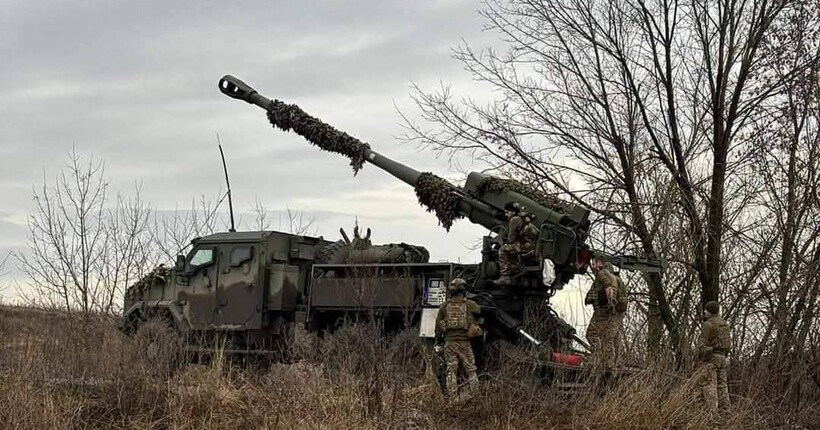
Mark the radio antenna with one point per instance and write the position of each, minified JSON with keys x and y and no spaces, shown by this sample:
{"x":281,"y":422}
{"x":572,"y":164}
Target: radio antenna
{"x":225,"y":168}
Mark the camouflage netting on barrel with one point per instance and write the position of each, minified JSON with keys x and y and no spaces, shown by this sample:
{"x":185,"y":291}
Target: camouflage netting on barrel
{"x":291,"y":117}
{"x":497,"y":185}
{"x":436,"y":193}
{"x":431,"y":190}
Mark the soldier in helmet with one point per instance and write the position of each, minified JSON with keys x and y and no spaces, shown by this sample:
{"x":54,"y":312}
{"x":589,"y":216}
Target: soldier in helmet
{"x":712,"y":347}
{"x":453,"y":323}
{"x":511,"y":250}
{"x":605,"y":325}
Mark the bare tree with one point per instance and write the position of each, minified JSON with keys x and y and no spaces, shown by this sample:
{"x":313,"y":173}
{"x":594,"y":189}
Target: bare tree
{"x":260,"y":212}
{"x":173,"y":231}
{"x":296,"y":222}
{"x":775,"y":306}
{"x":128,"y":248}
{"x":632,"y":108}
{"x":81,"y":254}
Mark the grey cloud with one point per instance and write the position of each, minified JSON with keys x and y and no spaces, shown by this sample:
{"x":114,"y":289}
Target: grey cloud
{"x":135,"y":83}
{"x":12,"y":230}
{"x":112,"y":42}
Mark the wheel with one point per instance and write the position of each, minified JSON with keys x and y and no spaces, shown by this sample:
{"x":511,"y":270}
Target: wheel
{"x":158,"y":347}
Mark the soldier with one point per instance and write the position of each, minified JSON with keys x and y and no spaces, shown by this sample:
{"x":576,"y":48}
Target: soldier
{"x":511,"y":250}
{"x":453,"y":323}
{"x":620,"y":306}
{"x":713,"y":346}
{"x":529,"y":238}
{"x":604,"y":327}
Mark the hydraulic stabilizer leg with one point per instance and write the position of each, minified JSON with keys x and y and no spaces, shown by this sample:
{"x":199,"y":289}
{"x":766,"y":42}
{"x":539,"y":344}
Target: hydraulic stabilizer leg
{"x":527,"y":336}
{"x":513,"y":325}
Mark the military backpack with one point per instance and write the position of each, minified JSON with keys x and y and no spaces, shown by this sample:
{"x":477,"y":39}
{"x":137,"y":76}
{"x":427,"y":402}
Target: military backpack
{"x":724,"y":341}
{"x":530,"y":232}
{"x":456,"y":316}
{"x":623,"y":301}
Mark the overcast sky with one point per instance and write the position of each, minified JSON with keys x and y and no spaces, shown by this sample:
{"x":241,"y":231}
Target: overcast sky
{"x":135,"y":84}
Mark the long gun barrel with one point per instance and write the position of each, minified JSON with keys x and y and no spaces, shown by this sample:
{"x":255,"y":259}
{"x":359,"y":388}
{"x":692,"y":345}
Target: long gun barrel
{"x":314,"y":129}
{"x":631,"y":262}
{"x":563,"y":227}
{"x":434,"y":192}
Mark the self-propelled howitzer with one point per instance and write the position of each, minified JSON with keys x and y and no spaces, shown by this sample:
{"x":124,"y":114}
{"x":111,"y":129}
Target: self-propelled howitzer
{"x":516,"y":310}
{"x":563,"y":227}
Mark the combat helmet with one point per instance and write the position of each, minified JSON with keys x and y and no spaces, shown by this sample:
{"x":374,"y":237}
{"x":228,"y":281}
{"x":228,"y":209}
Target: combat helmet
{"x":457,"y":286}
{"x":512,"y":207}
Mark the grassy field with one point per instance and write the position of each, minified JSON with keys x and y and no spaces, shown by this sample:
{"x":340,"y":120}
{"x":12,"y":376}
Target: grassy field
{"x":65,"y":372}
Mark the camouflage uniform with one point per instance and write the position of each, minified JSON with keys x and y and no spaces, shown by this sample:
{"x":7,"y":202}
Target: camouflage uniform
{"x":452,"y":320}
{"x":713,"y":345}
{"x":509,"y":255}
{"x":604,"y":329}
{"x":529,"y":238}
{"x":621,"y":295}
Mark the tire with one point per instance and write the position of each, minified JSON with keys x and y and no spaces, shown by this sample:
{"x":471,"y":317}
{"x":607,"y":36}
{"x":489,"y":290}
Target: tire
{"x":158,"y":347}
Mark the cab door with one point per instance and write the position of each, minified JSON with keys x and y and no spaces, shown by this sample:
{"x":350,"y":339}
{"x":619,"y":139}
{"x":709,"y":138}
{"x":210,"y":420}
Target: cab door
{"x":239,"y":294}
{"x":199,"y":295}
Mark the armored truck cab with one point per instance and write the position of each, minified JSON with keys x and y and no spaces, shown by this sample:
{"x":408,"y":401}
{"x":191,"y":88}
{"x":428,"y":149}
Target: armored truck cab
{"x":245,"y":284}
{"x":249,"y":288}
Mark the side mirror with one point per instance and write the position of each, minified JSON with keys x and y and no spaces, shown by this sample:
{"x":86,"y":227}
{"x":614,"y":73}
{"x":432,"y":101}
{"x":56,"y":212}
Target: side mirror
{"x":180,"y":266}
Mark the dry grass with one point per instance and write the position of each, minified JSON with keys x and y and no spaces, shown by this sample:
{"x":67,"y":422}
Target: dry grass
{"x":60,"y":371}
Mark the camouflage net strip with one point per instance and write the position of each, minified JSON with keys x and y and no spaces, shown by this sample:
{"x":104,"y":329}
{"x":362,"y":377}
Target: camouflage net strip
{"x":159,"y":275}
{"x":291,"y":117}
{"x":435,"y":193}
{"x":497,"y":185}
{"x":432,"y":191}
